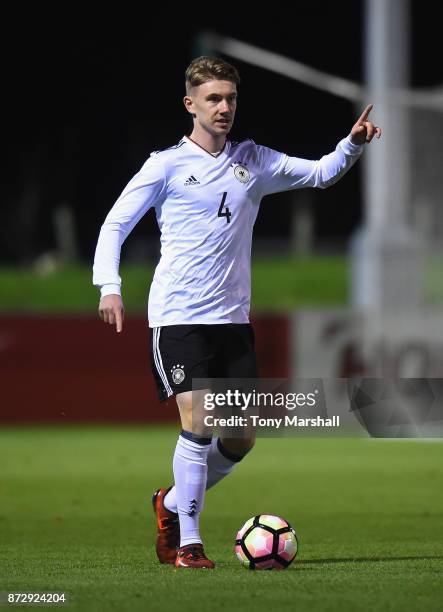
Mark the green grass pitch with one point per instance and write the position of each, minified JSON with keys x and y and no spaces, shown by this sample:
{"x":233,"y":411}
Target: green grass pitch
{"x":75,"y":516}
{"x":278,"y":283}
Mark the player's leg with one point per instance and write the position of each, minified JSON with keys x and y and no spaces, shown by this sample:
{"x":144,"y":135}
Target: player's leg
{"x":190,"y":465}
{"x":240,"y":364}
{"x":190,"y":475}
{"x":224,"y":455}
{"x":194,"y":349}
{"x":179,"y":354}
{"x":235,"y":359}
{"x":221,"y":459}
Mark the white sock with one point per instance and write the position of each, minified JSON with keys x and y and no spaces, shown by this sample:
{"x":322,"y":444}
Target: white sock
{"x":190,"y":472}
{"x":218,"y":467}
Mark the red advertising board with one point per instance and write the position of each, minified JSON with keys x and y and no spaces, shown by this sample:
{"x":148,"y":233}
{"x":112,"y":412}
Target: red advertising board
{"x":62,"y":369}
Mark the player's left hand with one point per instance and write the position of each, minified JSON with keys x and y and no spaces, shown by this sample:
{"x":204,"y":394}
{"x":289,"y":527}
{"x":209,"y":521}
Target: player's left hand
{"x":364,"y":130}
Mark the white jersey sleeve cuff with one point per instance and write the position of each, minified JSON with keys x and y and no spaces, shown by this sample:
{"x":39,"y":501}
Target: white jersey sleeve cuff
{"x":110,"y":289}
{"x":350,"y":148}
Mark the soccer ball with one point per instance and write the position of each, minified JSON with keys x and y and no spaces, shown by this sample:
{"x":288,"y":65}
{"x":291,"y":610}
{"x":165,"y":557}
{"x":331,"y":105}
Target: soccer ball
{"x":266,"y":542}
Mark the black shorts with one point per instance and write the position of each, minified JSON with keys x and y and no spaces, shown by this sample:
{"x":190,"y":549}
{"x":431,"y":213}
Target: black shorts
{"x":180,"y":353}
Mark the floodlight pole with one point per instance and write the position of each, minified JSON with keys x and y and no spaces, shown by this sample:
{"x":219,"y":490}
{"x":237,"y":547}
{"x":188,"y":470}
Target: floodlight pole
{"x":385,"y":250}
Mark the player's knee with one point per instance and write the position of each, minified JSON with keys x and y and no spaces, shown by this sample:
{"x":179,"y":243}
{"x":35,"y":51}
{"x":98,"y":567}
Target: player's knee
{"x":192,"y":413}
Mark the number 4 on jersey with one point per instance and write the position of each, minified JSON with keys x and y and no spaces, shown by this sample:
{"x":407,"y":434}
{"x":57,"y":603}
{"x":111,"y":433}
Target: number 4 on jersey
{"x":227,"y":213}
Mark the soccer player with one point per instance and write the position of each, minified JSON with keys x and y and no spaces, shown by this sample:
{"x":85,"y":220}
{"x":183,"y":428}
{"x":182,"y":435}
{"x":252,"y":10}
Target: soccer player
{"x":206,"y":191}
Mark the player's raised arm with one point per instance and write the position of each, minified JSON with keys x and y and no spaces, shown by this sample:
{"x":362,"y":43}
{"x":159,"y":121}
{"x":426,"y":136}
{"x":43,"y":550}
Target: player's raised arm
{"x":281,"y":172}
{"x":364,"y":130}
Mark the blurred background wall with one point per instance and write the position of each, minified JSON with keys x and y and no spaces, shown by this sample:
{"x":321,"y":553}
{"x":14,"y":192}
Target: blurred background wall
{"x":91,"y":99}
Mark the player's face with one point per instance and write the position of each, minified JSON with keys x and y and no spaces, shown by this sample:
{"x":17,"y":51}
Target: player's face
{"x":214,"y":104}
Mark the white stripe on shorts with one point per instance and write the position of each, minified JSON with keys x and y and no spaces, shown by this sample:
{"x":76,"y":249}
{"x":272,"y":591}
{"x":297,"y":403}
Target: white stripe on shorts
{"x":158,"y":360}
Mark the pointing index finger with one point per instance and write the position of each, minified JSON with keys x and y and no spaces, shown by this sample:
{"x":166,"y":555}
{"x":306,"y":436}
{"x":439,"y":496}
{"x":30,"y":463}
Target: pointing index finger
{"x":118,"y":321}
{"x":365,"y":114}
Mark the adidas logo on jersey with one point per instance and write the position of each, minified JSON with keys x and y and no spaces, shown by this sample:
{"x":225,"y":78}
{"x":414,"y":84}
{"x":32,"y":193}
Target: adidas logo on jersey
{"x":191,"y":181}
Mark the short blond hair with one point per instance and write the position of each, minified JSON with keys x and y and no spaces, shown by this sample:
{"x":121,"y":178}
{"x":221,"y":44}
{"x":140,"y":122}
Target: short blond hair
{"x":204,"y":68}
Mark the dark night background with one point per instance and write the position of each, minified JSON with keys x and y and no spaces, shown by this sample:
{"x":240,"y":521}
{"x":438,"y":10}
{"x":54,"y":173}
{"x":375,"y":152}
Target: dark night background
{"x":92,"y":97}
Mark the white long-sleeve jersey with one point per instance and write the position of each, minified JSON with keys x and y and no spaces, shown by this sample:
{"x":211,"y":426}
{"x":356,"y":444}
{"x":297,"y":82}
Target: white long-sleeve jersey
{"x":206,"y":208}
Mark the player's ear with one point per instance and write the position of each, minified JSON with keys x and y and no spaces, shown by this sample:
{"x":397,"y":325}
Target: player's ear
{"x":189,"y":105}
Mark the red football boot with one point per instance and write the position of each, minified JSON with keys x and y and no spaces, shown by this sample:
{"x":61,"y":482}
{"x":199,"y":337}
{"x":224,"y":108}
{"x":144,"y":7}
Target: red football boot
{"x":168,"y":529}
{"x":193,"y":556}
